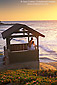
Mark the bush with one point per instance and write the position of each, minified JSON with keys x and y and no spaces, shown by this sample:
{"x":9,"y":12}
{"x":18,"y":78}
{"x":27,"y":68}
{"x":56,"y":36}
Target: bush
{"x":28,"y":77}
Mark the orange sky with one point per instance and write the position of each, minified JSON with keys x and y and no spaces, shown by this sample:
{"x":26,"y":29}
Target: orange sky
{"x":20,"y":11}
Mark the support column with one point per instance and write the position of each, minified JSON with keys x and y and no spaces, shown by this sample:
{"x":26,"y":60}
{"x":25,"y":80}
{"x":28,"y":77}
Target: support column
{"x":8,"y":42}
{"x":28,"y":37}
{"x":38,"y":51}
{"x":23,"y":31}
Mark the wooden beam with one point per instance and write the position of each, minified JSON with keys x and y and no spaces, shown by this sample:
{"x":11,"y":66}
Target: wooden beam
{"x":34,"y":32}
{"x":16,"y":36}
{"x":21,"y":32}
{"x":37,"y":43}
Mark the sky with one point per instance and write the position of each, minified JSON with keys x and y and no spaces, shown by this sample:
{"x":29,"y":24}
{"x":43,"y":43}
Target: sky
{"x":23,"y":10}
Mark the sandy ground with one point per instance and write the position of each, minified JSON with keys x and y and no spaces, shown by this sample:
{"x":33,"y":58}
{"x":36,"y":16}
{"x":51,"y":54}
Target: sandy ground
{"x":46,"y":66}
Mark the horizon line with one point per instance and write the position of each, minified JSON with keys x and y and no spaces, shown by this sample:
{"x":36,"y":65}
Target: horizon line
{"x":27,"y":20}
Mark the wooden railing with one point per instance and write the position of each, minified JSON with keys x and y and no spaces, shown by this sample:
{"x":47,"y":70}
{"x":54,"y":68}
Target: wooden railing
{"x":18,"y":47}
{"x":18,"y":53}
{"x":23,"y":56}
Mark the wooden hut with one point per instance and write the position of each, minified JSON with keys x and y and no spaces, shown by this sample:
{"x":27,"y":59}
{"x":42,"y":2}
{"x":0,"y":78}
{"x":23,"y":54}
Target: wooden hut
{"x":18,"y":53}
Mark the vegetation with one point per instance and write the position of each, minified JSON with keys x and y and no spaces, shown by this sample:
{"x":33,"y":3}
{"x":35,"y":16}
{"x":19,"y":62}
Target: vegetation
{"x":28,"y":77}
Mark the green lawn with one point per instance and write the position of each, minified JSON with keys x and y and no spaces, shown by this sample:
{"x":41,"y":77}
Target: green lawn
{"x":28,"y":77}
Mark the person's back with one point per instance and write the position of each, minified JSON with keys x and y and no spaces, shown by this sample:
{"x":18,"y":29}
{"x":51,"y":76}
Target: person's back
{"x":33,"y":46}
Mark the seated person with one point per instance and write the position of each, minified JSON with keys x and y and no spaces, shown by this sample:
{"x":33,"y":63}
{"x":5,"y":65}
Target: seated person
{"x":33,"y":46}
{"x":29,"y":44}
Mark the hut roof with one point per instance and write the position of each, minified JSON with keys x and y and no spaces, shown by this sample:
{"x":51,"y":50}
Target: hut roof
{"x":16,"y":27}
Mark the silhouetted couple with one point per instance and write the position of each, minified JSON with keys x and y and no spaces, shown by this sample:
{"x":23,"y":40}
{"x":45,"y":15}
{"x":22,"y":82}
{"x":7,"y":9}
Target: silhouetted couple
{"x":31,"y":45}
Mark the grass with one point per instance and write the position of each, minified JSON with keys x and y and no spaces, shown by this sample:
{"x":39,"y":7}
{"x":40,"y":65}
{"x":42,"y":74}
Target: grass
{"x":28,"y":77}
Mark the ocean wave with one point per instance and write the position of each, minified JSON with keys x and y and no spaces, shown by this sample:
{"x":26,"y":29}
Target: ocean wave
{"x":19,"y":40}
{"x":46,"y":60}
{"x":1,"y":30}
{"x":46,"y":49}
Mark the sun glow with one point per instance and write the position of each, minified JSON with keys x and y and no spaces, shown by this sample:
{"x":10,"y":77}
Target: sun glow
{"x":28,"y":12}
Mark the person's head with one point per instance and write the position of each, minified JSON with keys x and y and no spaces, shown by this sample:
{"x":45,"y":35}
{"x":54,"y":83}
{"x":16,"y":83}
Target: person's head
{"x":32,"y":42}
{"x":32,"y":38}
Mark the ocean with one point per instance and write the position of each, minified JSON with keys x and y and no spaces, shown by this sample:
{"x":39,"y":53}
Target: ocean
{"x":47,"y":45}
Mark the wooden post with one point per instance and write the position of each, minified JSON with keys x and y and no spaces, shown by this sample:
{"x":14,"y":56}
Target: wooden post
{"x":38,"y":51}
{"x":28,"y":37}
{"x":37,"y":43}
{"x":8,"y":42}
{"x":23,"y":31}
